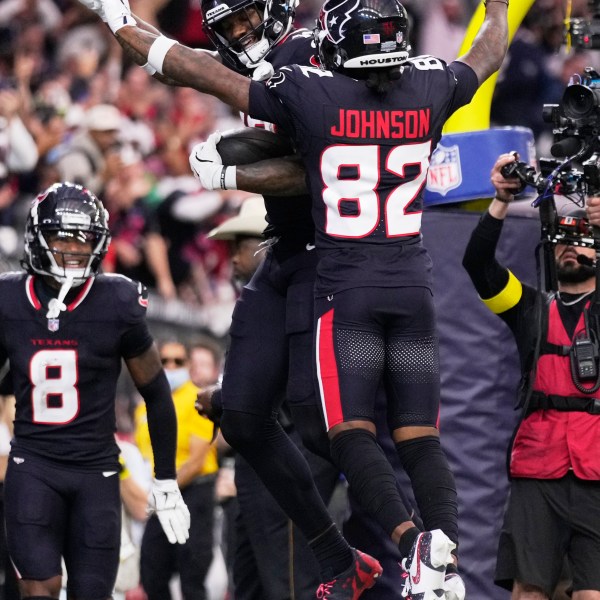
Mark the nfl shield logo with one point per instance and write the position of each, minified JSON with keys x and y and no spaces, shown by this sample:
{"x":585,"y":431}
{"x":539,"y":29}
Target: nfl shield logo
{"x":53,"y":324}
{"x":444,"y":172}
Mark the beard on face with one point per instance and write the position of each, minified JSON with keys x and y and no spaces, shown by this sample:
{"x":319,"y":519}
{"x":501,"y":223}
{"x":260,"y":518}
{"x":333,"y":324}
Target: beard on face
{"x":574,"y":273}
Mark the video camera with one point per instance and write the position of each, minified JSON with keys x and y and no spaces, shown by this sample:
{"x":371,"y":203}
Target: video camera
{"x":575,"y":171}
{"x":585,"y":33}
{"x":555,"y":179}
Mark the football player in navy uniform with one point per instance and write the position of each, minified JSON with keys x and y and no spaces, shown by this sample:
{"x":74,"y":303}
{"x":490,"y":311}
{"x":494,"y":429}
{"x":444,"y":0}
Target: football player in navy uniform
{"x":276,"y":309}
{"x":65,"y":330}
{"x":365,"y":125}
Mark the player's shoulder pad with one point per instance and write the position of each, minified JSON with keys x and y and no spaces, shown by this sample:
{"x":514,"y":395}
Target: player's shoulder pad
{"x":292,"y":75}
{"x":10,"y":276}
{"x":9,"y":279}
{"x":297,"y":48}
{"x":426,"y":62}
{"x":300,"y":33}
{"x":129,"y":297}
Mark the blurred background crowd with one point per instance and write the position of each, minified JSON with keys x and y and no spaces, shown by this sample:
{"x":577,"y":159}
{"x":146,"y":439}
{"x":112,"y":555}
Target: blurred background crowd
{"x":73,"y":107}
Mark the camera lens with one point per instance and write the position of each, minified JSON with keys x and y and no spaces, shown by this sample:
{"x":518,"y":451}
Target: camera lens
{"x":579,"y":101}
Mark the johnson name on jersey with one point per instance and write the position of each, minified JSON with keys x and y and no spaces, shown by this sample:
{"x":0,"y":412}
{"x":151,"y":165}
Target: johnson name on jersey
{"x":366,"y":154}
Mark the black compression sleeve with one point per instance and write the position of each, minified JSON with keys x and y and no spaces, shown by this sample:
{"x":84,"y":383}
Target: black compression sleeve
{"x":162,"y":424}
{"x":136,"y":340}
{"x":488,"y":276}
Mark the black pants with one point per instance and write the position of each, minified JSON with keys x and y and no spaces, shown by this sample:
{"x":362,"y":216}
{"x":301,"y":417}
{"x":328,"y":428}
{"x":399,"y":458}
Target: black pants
{"x":160,"y":560}
{"x":9,"y":589}
{"x":272,"y":559}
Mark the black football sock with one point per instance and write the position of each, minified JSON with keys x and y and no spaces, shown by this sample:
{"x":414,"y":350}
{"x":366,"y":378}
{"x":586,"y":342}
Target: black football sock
{"x":407,"y":540}
{"x":332,"y":552}
{"x":432,"y":482}
{"x":371,"y":477}
{"x":285,"y":473}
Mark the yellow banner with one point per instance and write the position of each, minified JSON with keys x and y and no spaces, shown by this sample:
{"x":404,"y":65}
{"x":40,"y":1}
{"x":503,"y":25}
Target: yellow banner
{"x":476,"y":115}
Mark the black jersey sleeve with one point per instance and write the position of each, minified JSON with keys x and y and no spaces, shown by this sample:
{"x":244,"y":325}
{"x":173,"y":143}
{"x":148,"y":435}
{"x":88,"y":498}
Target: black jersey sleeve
{"x":135,"y":340}
{"x":488,"y":276}
{"x":266,"y":101}
{"x":514,"y":302}
{"x":466,"y":84}
{"x":131,"y":298}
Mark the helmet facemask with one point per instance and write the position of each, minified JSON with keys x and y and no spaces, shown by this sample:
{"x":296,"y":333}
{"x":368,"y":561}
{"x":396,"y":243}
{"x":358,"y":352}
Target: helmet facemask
{"x":275,"y":17}
{"x":54,"y":258}
{"x":66,"y":212}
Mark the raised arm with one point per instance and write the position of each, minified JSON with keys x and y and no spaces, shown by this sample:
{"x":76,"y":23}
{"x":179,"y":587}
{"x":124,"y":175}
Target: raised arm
{"x":178,"y":62}
{"x":139,"y":59}
{"x":491,"y":42}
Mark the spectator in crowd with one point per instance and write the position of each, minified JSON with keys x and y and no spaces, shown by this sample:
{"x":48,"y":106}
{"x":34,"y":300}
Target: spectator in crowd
{"x":196,"y":463}
{"x":18,"y":150}
{"x":443,"y":29}
{"x":184,"y":217}
{"x":8,"y":578}
{"x":553,"y":511}
{"x":24,"y":11}
{"x":136,"y":479}
{"x":527,"y":81}
{"x":244,"y":235}
{"x":206,"y":357}
{"x":140,"y":250}
{"x":92,"y":157}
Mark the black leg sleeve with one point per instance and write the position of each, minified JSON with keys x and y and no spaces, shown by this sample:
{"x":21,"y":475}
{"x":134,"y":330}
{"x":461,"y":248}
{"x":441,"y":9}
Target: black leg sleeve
{"x":371,"y":476}
{"x":432,"y":482}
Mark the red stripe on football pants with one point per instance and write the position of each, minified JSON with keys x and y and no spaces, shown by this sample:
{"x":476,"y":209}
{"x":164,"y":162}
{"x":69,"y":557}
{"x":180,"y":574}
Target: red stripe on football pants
{"x":327,"y":372}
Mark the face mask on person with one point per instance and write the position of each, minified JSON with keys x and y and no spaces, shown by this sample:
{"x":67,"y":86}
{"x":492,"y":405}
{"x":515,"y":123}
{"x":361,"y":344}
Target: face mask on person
{"x":177,"y":377}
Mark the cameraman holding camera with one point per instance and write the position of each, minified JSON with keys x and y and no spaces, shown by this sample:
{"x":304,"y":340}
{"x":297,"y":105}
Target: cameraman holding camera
{"x":554,"y":508}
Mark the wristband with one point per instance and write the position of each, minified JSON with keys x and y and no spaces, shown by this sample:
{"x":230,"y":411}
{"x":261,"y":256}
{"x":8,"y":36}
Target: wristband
{"x":503,"y":200}
{"x":149,"y":69}
{"x":228,"y":178}
{"x":158,"y":51}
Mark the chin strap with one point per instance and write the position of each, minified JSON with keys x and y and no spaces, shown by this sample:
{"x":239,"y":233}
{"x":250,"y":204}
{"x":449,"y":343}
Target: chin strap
{"x":56,"y":305}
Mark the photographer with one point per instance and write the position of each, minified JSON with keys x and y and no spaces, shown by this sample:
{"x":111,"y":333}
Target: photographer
{"x":554,"y":508}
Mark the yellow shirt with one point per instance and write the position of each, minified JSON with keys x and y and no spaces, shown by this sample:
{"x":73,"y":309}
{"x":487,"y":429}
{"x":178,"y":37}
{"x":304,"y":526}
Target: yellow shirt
{"x":189,"y":425}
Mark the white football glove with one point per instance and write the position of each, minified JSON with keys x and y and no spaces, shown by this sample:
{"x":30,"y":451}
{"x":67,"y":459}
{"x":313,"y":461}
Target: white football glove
{"x":95,"y":6}
{"x":207,"y":165}
{"x":117,"y":14}
{"x":263,"y":71}
{"x":165,"y":500}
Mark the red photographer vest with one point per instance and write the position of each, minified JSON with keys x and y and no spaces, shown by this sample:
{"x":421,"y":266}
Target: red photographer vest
{"x":550,"y":442}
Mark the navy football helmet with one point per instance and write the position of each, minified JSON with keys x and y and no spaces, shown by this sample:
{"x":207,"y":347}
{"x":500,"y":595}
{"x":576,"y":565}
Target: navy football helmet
{"x":276,"y":21}
{"x":69,"y":211}
{"x":362,"y":34}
